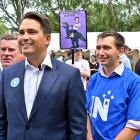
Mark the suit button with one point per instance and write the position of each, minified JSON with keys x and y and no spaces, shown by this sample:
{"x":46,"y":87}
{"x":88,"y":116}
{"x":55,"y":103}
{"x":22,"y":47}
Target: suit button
{"x":28,"y":127}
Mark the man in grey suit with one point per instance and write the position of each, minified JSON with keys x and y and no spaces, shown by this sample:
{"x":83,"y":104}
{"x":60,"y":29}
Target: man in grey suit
{"x":41,"y":98}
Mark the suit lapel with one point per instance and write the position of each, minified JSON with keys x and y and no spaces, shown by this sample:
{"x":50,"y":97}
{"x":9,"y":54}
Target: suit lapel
{"x":19,"y":93}
{"x":46,"y":84}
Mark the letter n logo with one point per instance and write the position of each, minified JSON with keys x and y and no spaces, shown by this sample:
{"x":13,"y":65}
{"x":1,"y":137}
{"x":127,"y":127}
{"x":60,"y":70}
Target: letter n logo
{"x":101,"y":109}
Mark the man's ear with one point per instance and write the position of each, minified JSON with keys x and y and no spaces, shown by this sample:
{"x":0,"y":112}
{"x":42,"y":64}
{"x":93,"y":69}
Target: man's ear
{"x":120,"y":51}
{"x":48,"y":39}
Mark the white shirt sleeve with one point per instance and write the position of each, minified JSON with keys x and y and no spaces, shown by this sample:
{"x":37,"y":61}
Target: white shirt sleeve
{"x":133,"y":124}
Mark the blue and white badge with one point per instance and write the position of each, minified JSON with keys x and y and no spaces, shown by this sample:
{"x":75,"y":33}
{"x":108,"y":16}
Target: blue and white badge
{"x":15,"y":82}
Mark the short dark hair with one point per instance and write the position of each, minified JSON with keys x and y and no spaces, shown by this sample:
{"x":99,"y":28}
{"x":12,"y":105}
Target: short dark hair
{"x":126,"y":47}
{"x":76,"y":17}
{"x":119,"y":39}
{"x":77,"y":50}
{"x":43,"y":20}
{"x":94,"y":56}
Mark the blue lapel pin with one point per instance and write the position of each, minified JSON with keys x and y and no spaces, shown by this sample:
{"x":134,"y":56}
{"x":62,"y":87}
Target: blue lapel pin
{"x":15,"y":82}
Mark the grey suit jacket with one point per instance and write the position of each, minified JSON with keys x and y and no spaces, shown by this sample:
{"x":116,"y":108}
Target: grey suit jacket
{"x":58,"y":111}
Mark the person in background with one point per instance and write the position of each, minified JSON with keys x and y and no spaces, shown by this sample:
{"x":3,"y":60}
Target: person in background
{"x":82,"y":65}
{"x":94,"y":65}
{"x":9,"y":50}
{"x":41,"y":98}
{"x":52,"y":53}
{"x":124,"y":58}
{"x":61,"y":58}
{"x":137,"y":67}
{"x":69,"y":55}
{"x":113,"y":94}
{"x":129,"y":54}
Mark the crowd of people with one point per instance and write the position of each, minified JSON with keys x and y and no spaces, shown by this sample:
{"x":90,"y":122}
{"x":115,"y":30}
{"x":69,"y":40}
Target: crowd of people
{"x":42,"y":98}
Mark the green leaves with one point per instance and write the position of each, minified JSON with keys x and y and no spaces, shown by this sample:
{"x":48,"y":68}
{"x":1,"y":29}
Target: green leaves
{"x":102,"y":15}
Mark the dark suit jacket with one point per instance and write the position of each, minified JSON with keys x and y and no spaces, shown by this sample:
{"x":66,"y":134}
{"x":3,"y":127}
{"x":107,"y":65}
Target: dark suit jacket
{"x":137,"y":67}
{"x":0,"y":73}
{"x":58,"y":111}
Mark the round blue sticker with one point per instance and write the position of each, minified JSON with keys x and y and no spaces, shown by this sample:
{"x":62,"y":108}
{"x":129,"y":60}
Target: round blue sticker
{"x":15,"y":82}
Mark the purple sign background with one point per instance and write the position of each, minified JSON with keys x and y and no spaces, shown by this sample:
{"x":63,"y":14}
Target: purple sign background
{"x":68,"y":37}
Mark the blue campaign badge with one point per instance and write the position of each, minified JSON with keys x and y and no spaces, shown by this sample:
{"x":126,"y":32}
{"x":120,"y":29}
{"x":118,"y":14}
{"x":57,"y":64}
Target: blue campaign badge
{"x":15,"y":82}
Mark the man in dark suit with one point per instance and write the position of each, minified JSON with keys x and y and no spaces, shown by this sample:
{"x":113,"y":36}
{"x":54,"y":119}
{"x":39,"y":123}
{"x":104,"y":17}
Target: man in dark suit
{"x":137,"y":67}
{"x":9,"y":51}
{"x":41,"y":98}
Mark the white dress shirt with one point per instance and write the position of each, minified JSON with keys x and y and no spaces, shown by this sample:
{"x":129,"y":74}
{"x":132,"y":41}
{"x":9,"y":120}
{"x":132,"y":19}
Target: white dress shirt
{"x":32,"y":79}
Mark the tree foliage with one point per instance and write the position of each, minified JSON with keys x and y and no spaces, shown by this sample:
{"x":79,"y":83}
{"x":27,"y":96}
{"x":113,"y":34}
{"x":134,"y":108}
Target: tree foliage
{"x":117,"y":16}
{"x":102,"y":15}
{"x":53,"y":7}
{"x":12,"y":11}
{"x":3,"y":28}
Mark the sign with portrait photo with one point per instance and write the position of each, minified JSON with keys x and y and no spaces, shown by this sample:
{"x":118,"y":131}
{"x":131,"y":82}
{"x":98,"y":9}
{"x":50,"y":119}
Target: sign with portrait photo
{"x":73,"y":30}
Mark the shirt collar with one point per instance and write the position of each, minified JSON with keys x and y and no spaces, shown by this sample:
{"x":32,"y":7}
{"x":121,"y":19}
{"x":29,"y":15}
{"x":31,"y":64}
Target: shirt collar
{"x":117,"y":71}
{"x":46,"y":62}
